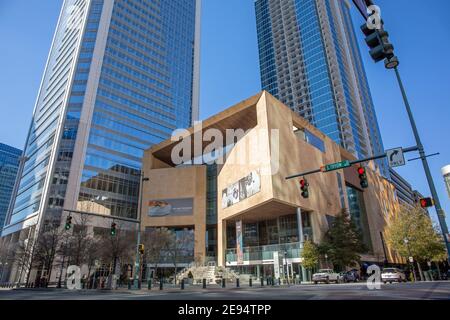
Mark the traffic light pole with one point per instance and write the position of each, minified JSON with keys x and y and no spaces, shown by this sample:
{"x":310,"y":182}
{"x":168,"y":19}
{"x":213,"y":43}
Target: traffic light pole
{"x":137,"y":266}
{"x":440,"y":213}
{"x":376,"y":157}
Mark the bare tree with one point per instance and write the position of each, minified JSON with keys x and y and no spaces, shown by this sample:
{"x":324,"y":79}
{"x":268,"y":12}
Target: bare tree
{"x":116,"y":249}
{"x":23,"y":255}
{"x":49,"y":244}
{"x":6,"y":256}
{"x":157,"y":242}
{"x":181,"y":248}
{"x":80,"y":242}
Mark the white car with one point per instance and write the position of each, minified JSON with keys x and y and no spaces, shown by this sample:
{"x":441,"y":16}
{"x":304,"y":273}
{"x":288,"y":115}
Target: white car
{"x":327,"y":276}
{"x":392,"y":275}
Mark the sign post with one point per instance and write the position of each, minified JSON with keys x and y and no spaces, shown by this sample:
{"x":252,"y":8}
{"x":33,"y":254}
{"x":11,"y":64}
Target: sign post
{"x":395,"y":157}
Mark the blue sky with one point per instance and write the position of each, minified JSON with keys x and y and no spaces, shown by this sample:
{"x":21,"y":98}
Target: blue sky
{"x":230,"y":70}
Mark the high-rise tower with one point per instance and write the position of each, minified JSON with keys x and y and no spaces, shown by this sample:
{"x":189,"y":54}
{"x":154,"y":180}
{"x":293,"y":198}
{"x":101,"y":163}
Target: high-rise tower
{"x":9,"y":164}
{"x":121,"y":76}
{"x":310,"y":60}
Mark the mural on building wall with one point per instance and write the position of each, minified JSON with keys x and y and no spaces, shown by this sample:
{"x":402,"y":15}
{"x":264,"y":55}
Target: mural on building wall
{"x":239,"y":191}
{"x":171,"y":207}
{"x":239,"y":243}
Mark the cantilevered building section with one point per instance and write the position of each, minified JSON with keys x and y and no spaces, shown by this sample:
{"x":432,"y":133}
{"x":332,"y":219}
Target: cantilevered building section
{"x":310,"y":60}
{"x":121,"y":76}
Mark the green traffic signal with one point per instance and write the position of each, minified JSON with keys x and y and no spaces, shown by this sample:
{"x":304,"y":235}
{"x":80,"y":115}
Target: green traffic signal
{"x":113,"y":229}
{"x":68,"y":223}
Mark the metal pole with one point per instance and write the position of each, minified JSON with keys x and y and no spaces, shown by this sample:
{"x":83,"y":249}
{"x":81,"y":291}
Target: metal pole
{"x":440,"y":213}
{"x":138,"y":240}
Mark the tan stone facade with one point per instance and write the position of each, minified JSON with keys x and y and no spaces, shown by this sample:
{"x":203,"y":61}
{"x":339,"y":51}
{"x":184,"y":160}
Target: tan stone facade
{"x":277,"y":143}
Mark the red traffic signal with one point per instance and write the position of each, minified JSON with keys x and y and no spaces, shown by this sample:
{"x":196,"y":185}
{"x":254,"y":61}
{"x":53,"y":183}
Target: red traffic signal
{"x":304,"y":187}
{"x":363,"y":178}
{"x":426,"y":202}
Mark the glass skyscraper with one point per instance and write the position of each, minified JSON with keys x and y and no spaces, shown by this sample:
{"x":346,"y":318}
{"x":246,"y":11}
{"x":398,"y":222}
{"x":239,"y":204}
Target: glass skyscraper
{"x":310,"y":60}
{"x":9,"y":164}
{"x":121,"y":76}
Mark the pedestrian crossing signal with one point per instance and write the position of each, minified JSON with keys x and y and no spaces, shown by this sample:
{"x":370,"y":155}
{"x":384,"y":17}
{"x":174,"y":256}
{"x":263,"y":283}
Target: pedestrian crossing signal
{"x":426,"y":202}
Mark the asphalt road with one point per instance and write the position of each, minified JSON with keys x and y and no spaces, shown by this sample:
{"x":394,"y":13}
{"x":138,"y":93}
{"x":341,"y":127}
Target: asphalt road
{"x":358,"y":291}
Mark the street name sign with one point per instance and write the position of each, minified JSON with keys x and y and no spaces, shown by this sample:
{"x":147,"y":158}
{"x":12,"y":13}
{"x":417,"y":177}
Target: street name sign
{"x":395,"y":157}
{"x":336,"y":166}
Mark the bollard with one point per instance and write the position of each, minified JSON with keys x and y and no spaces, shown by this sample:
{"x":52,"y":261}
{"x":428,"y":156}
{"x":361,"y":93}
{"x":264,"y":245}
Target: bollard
{"x":182,"y":284}
{"x":223,"y":283}
{"x":149,"y":284}
{"x":204,"y":283}
{"x":129,"y":285}
{"x":237,"y":283}
{"x":262,"y":282}
{"x":161,"y":284}
{"x":250,"y":282}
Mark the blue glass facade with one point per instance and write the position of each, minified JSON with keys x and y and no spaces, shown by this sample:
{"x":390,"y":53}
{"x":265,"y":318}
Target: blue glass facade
{"x":9,"y":165}
{"x":120,"y":77}
{"x":310,"y":60}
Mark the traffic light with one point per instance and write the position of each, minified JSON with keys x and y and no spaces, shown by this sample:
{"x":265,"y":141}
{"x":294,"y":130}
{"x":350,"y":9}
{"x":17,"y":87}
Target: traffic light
{"x":363,"y":178}
{"x":304,"y":187}
{"x":113,"y":229}
{"x":68,"y":223}
{"x":380,"y":47}
{"x":426,"y":202}
{"x":141,"y":249}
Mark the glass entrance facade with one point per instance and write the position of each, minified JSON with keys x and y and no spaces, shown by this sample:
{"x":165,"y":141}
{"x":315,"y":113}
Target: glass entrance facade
{"x":262,"y":238}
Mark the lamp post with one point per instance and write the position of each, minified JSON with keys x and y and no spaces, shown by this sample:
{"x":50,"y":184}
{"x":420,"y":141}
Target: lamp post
{"x":437,"y":204}
{"x":287,"y":266}
{"x":326,"y":259}
{"x":137,"y":267}
{"x":406,"y":241}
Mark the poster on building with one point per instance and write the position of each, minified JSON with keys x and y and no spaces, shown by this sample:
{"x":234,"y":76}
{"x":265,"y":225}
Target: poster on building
{"x":234,"y":193}
{"x":276,"y":264}
{"x":171,"y":207}
{"x":245,"y":188}
{"x":251,"y":185}
{"x":239,"y":243}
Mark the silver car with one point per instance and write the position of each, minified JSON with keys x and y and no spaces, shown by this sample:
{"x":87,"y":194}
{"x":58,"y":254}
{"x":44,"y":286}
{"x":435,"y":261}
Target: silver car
{"x":392,"y":275}
{"x":327,"y":276}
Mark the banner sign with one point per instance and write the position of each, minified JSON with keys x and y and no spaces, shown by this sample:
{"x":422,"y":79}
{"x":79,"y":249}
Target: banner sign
{"x":239,"y":243}
{"x":171,"y":207}
{"x":276,"y":264}
{"x":241,"y":190}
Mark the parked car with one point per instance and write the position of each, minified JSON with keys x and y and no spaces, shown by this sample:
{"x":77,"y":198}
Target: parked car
{"x":393,"y":275}
{"x":327,"y":276}
{"x":349,"y":276}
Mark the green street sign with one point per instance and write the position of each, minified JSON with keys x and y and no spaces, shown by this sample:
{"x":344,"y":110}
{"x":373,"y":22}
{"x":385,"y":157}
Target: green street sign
{"x":336,"y":166}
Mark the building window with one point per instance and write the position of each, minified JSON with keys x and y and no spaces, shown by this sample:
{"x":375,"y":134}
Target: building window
{"x":358,"y":213}
{"x":310,"y":138}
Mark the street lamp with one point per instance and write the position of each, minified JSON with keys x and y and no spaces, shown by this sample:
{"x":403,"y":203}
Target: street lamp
{"x":326,"y":259}
{"x":137,"y":269}
{"x":410,"y":258}
{"x":287,"y":266}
